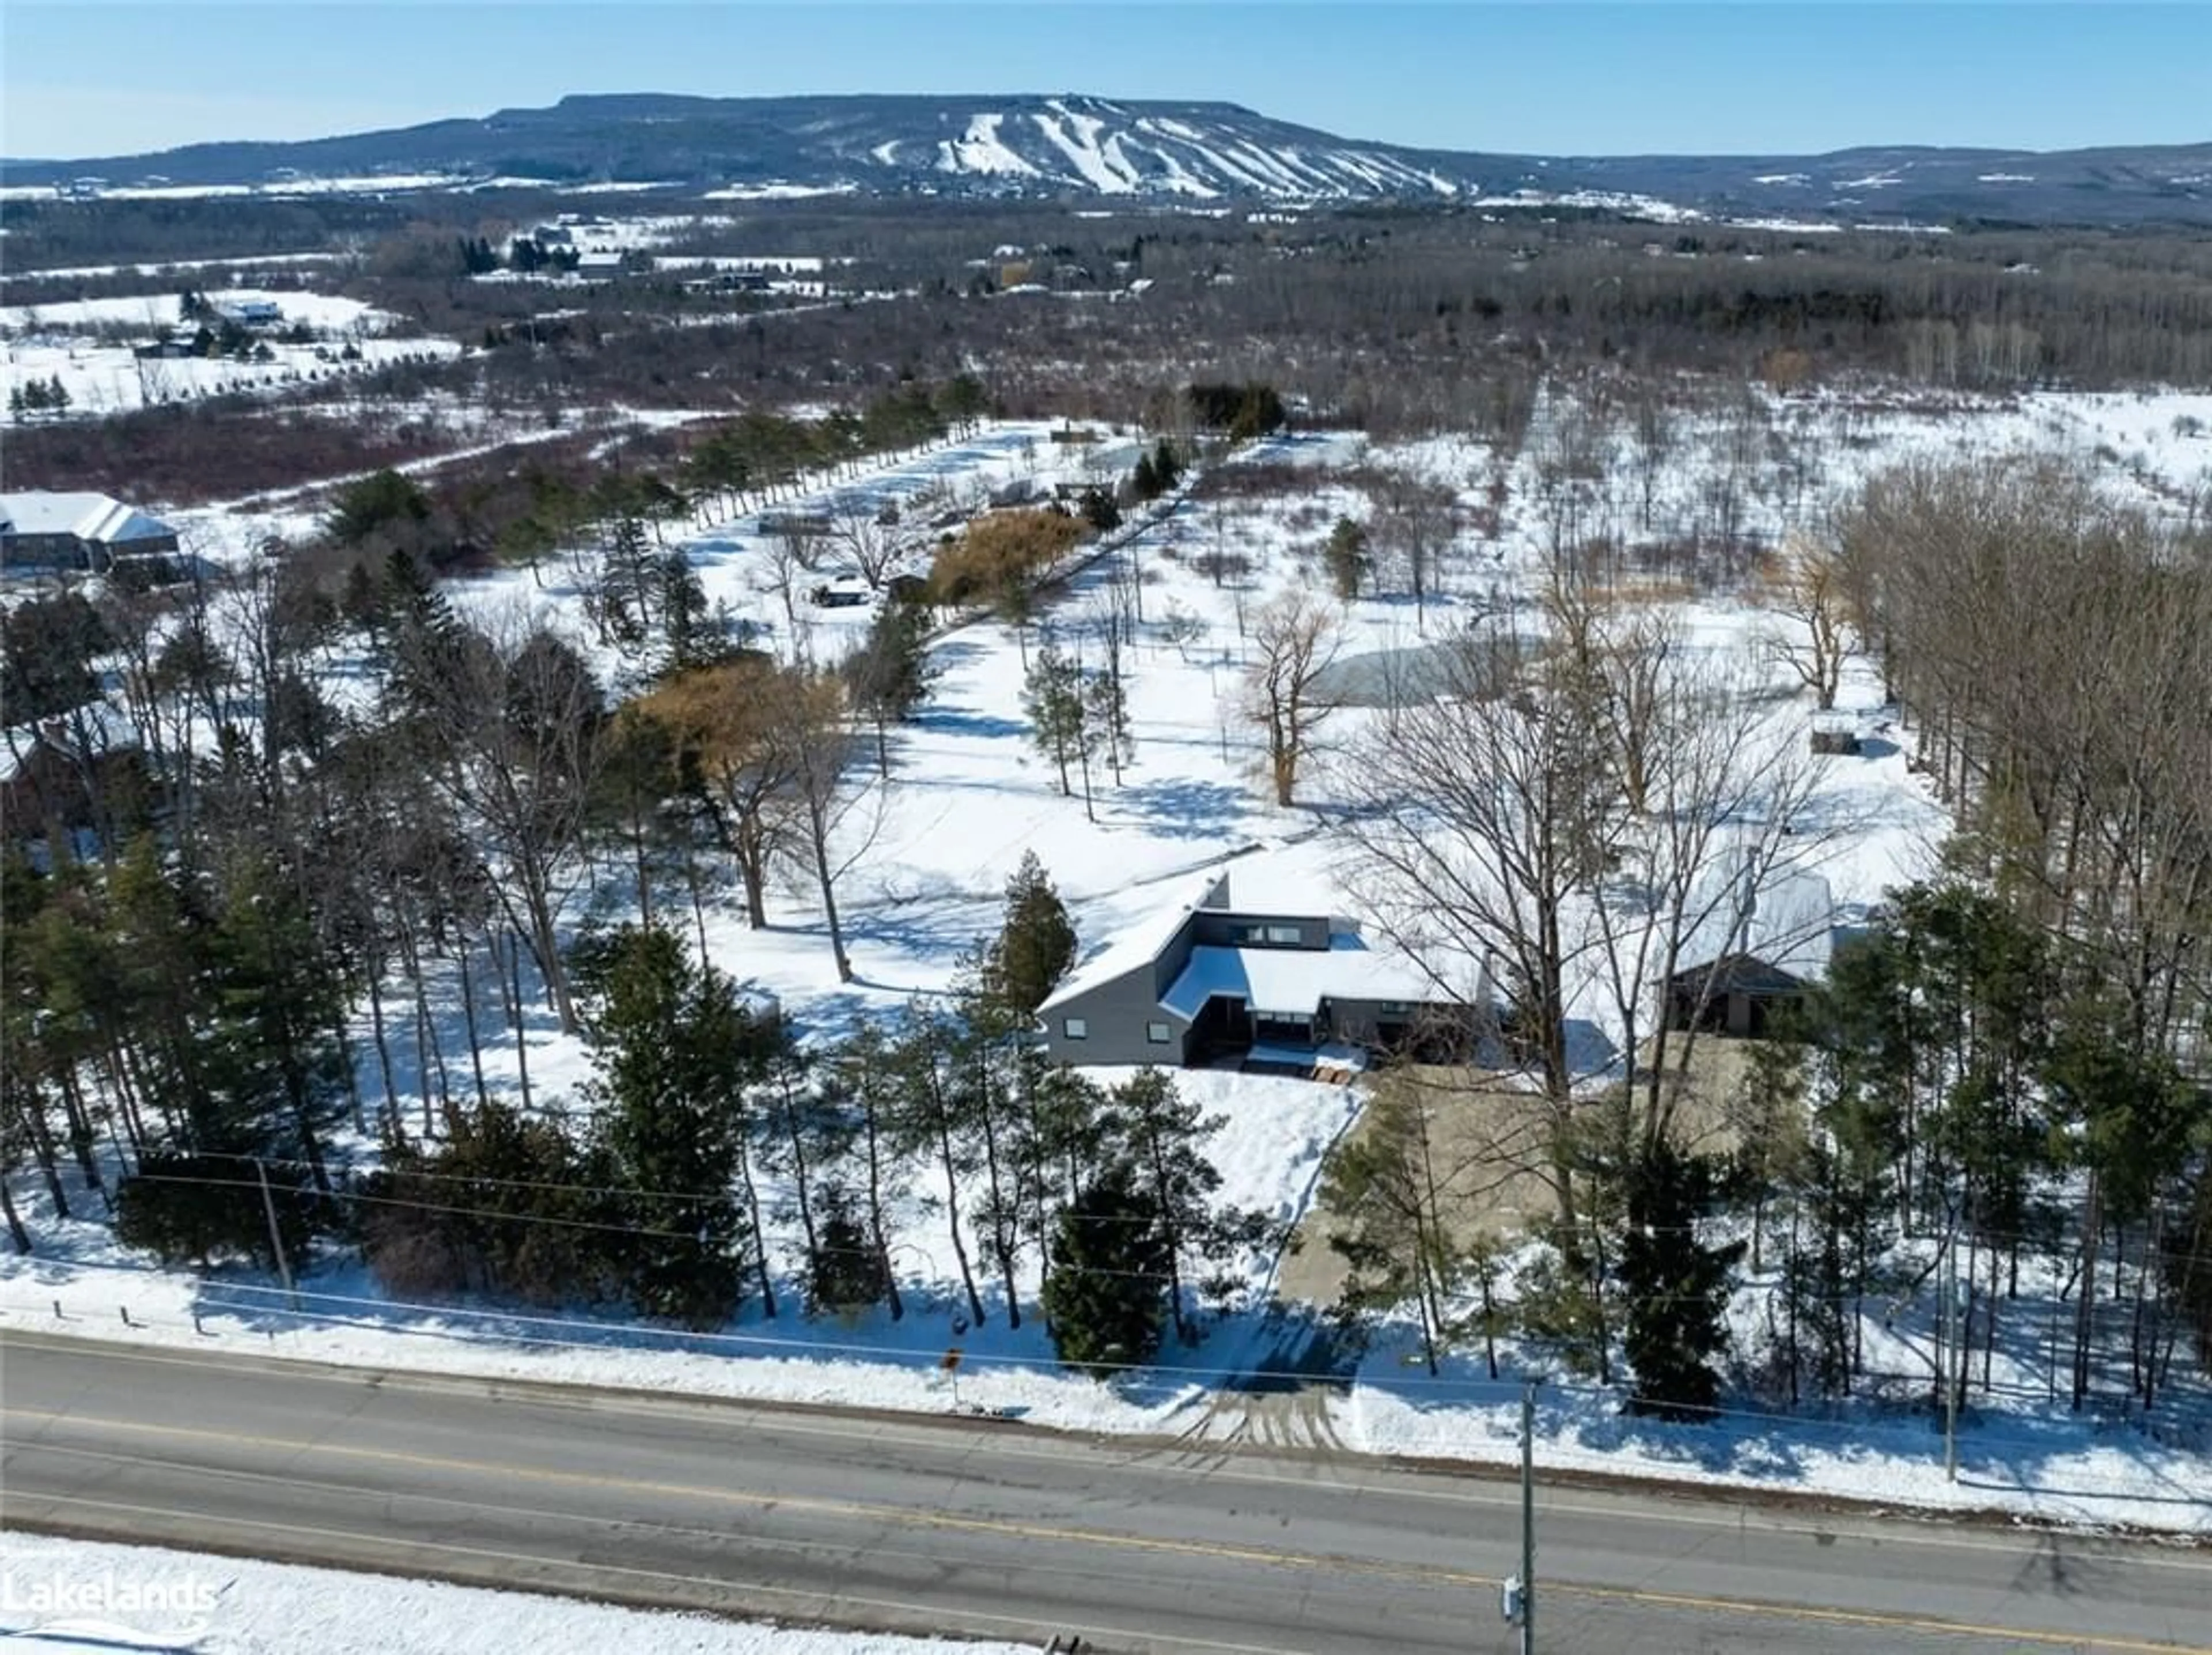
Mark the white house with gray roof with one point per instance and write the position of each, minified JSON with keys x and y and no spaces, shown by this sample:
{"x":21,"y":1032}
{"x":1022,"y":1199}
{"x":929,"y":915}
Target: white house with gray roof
{"x":1248,"y":963}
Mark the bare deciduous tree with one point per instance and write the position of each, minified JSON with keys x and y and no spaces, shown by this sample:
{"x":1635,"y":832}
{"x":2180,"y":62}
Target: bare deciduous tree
{"x":1807,"y":594}
{"x":1477,"y":816}
{"x":1295,"y":637}
{"x":518,"y":716}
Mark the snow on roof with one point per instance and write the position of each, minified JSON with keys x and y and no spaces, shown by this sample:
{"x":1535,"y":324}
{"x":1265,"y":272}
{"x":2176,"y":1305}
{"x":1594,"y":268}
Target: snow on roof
{"x":93,"y":517}
{"x":1269,"y":883}
{"x":1784,"y":917}
{"x":1139,"y":945}
{"x":1293,"y":981}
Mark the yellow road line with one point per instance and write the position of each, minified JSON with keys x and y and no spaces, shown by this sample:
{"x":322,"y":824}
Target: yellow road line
{"x":1142,"y":1452}
{"x":912,"y":1517}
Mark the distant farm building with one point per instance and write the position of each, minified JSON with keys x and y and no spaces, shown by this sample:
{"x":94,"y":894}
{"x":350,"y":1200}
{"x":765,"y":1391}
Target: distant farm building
{"x":251,"y":313}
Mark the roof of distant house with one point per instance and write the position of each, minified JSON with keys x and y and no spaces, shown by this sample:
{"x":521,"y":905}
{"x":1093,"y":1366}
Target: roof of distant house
{"x":92,"y":517}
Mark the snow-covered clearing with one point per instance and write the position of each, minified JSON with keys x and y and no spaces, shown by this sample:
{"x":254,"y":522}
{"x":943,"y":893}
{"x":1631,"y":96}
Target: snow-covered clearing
{"x":78,"y":343}
{"x":967,"y":795}
{"x":87,"y":1595}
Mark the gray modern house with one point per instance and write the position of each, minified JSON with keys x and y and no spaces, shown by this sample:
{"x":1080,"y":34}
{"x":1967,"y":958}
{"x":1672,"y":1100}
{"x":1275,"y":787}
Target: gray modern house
{"x":1251,"y":967}
{"x":77,"y":531}
{"x":1763,"y":938}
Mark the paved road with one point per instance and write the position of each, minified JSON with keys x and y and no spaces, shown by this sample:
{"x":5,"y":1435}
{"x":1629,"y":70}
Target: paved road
{"x":959,"y":1526}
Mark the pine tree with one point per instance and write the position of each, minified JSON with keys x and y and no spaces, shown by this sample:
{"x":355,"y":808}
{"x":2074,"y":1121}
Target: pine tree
{"x":847,"y":1274}
{"x":672,"y":1052}
{"x":890,"y":675}
{"x":1035,"y":947}
{"x":1107,"y":1298}
{"x":1347,"y":557}
{"x":1052,"y":696}
{"x":1381,"y":1187}
{"x":1676,"y":1285}
{"x":1161,"y":1133}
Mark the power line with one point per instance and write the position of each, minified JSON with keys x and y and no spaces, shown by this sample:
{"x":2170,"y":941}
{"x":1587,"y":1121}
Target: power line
{"x":606,"y":1333}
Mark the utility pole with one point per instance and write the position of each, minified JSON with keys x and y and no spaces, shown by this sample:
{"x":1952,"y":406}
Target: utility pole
{"x":1518,"y":1599}
{"x":275,"y":1240}
{"x":1952,"y":1343}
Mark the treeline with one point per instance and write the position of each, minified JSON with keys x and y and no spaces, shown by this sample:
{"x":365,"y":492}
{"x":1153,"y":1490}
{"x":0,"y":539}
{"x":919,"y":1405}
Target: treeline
{"x":707,"y":1127}
{"x":189,"y":1032}
{"x":1909,"y":1133}
{"x":2054,"y":648}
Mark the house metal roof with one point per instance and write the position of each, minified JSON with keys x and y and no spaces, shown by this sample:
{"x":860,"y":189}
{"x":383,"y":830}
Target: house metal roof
{"x":91,"y":517}
{"x":1293,"y":981}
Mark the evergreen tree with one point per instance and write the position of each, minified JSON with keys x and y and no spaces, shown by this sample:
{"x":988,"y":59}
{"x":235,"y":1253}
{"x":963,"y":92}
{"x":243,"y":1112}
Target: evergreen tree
{"x":890,"y":675}
{"x":847,"y":1274}
{"x":1676,"y":1285}
{"x":1347,"y":558}
{"x":1167,"y":466}
{"x":1035,"y":947}
{"x":1052,"y":696}
{"x":1100,"y":509}
{"x":1161,"y":1134}
{"x":672,"y":1052}
{"x":1108,"y":1296}
{"x":1381,"y":1185}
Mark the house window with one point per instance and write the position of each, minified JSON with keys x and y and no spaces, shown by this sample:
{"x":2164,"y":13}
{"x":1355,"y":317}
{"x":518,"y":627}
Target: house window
{"x":1271,"y":936}
{"x":1076,"y":1028}
{"x":1158,"y":1033}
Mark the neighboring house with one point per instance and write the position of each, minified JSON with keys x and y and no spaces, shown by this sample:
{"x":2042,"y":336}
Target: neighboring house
{"x":77,"y":531}
{"x":1252,"y":966}
{"x":251,"y":313}
{"x":53,"y":784}
{"x":600,"y":261}
{"x":1766,"y":938}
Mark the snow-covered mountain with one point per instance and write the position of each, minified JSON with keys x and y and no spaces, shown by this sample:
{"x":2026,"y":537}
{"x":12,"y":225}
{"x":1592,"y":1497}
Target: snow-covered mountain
{"x":970,"y":147}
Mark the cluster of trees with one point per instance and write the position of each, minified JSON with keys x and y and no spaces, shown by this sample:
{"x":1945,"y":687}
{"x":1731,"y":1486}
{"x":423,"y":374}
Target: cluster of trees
{"x":203,"y":918}
{"x":707,"y":1126}
{"x":2011,"y":1063}
{"x":1079,"y":713}
{"x":1954,"y":1084}
{"x":193,"y":1033}
{"x":1240,"y":412}
{"x":47,"y":396}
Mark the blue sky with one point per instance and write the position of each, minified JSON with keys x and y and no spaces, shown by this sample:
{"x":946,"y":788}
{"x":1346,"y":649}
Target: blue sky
{"x":88,"y":77}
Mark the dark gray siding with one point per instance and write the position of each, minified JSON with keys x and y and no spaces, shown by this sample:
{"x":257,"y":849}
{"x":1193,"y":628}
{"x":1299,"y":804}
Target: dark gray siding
{"x":1218,"y":930}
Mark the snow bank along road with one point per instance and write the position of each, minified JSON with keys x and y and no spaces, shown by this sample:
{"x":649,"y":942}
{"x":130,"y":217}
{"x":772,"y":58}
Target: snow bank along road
{"x":993,"y":1530}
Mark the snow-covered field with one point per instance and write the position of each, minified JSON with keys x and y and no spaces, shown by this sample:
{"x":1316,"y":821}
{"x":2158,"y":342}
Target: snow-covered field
{"x":58,"y":1595}
{"x":968,"y":794}
{"x":72,"y":341}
